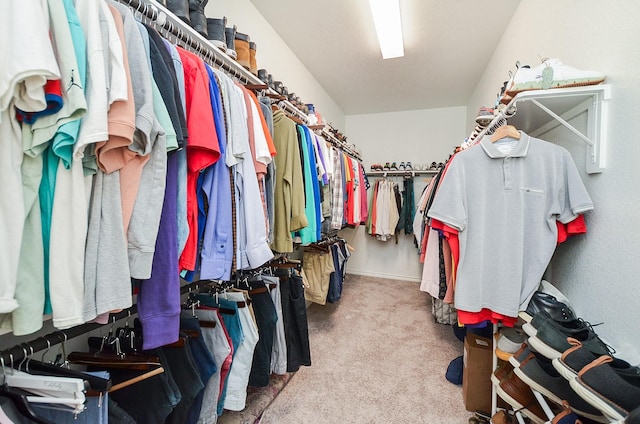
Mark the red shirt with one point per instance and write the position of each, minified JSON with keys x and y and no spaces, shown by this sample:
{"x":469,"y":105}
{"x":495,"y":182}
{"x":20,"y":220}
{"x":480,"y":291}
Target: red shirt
{"x":203,"y":149}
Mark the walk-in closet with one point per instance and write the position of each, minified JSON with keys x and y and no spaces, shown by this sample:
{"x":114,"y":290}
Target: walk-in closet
{"x":283,"y":212}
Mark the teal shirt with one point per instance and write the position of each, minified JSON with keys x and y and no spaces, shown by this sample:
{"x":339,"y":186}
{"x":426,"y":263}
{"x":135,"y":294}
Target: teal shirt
{"x":308,"y":233}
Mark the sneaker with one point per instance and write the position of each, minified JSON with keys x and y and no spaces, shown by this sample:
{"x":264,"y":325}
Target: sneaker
{"x":509,"y":341}
{"x":578,"y":357}
{"x":408,"y":166}
{"x":520,"y":355}
{"x":539,"y":374}
{"x":401,"y":166}
{"x":551,"y":338}
{"x":541,"y":301}
{"x":393,"y":167}
{"x":616,"y":392}
{"x":485,"y":116}
{"x":386,"y":167}
{"x":552,"y":73}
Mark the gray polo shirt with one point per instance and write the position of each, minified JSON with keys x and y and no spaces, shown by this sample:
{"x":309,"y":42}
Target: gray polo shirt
{"x":505,"y":207}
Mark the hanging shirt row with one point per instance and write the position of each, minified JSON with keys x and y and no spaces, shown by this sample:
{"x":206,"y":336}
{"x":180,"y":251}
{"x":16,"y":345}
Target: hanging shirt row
{"x":132,"y":160}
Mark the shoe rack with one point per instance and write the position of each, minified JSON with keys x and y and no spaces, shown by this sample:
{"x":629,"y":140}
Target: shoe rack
{"x":539,"y":111}
{"x":175,"y":30}
{"x":520,"y":417}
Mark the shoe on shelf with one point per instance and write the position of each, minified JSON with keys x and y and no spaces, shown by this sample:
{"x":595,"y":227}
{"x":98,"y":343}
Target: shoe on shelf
{"x":393,"y":166}
{"x":386,"y":167}
{"x":501,"y":373}
{"x":541,"y":301}
{"x":197,"y":16}
{"x":615,"y":392}
{"x":539,"y":374}
{"x":578,"y":357}
{"x":520,"y":355}
{"x":230,"y":36}
{"x":216,"y":32}
{"x":509,"y":341}
{"x":552,"y":73}
{"x":242,"y":49}
{"x":566,"y":416}
{"x":408,"y":166}
{"x":551,"y":338}
{"x":519,"y":395}
{"x":253,"y":64}
{"x":180,"y":8}
{"x":543,"y":310}
{"x":401,"y":167}
{"x":485,"y":116}
{"x":433,"y":166}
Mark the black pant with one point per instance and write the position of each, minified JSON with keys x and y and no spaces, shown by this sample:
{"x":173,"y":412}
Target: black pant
{"x":266,"y":318}
{"x":294,"y":314}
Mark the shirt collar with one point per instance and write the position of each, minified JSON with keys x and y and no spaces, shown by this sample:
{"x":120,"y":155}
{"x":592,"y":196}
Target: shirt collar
{"x":520,"y":151}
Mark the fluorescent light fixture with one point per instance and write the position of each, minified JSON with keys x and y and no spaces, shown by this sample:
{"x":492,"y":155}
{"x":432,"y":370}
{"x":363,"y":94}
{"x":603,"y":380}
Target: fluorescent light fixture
{"x":386,"y":17}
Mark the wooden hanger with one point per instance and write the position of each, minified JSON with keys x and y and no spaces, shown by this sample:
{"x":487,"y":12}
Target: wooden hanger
{"x":504,"y":132}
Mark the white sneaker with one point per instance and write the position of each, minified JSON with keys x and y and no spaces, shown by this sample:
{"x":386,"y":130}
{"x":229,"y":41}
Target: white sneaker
{"x":552,"y":73}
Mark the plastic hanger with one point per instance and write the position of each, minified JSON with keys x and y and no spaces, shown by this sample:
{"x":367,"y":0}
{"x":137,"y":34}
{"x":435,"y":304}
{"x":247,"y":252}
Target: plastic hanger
{"x":504,"y":132}
{"x":92,"y":382}
{"x":49,"y":389}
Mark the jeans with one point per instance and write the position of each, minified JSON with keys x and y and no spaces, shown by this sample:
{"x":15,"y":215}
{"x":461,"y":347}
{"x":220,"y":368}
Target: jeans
{"x":185,"y":374}
{"x":96,"y":409}
{"x":203,"y":358}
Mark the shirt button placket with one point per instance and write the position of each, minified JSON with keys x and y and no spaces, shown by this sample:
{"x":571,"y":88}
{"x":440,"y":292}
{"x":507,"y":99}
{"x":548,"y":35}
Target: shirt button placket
{"x":506,"y":169}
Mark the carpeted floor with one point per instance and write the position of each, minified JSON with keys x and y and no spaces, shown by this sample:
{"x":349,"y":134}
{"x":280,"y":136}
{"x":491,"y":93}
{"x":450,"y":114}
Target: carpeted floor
{"x":377,"y":357}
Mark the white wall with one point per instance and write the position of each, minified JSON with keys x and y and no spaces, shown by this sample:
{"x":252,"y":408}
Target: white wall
{"x":597,"y":271}
{"x":276,"y":57}
{"x":419,"y":136}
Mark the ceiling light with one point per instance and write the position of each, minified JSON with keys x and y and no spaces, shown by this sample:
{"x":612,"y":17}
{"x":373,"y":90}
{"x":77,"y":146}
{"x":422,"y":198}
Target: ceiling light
{"x":386,"y":16}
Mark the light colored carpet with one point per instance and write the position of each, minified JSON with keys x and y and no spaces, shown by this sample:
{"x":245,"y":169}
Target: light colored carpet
{"x":377,"y":357}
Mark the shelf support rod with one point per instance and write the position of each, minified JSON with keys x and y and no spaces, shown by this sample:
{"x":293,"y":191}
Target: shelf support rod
{"x":563,"y":122}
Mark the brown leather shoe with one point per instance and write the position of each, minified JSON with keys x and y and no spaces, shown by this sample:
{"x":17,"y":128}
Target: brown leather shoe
{"x":519,"y":395}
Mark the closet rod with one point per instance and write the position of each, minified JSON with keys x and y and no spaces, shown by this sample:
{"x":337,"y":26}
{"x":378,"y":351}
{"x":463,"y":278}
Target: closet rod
{"x":349,"y":149}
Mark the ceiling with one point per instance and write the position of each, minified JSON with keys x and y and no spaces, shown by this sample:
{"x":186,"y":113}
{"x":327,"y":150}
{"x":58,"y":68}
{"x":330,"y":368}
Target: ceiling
{"x":448,"y":44}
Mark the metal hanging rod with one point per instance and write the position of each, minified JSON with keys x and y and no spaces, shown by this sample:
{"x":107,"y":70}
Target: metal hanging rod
{"x":174,"y":29}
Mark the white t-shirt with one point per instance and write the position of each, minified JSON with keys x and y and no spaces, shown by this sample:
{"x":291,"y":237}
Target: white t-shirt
{"x":28,"y":61}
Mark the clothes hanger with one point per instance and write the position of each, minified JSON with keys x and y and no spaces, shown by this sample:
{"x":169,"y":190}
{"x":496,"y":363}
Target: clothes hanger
{"x":19,"y":400}
{"x":504,"y":132}
{"x":66,"y":391}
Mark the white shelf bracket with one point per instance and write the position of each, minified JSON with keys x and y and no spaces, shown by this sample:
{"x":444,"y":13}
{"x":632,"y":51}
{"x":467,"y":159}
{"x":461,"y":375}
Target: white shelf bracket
{"x":594,"y":101}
